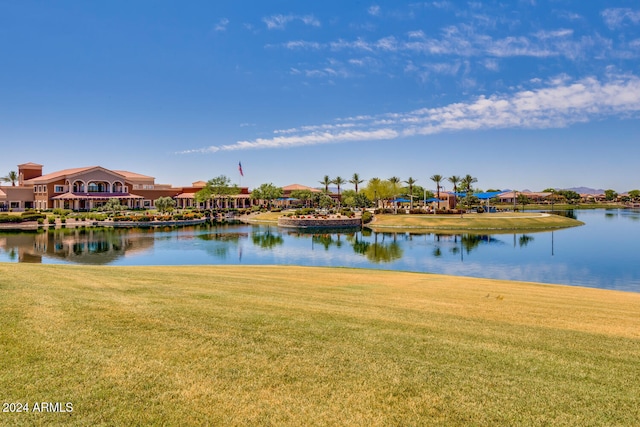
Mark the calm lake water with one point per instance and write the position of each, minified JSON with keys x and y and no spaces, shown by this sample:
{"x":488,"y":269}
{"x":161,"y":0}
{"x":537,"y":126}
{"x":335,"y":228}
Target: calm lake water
{"x":603,"y":254}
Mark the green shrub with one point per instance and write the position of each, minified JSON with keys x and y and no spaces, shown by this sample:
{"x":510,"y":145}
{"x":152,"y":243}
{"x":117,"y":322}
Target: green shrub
{"x":61,"y":212}
{"x":347,"y":212}
{"x":366,"y":217}
{"x":305,"y":211}
{"x":31,"y":216}
{"x":10,"y":218}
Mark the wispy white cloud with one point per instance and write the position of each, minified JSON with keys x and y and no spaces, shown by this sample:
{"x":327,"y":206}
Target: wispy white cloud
{"x":221,"y":25}
{"x":374,"y":10}
{"x":279,"y":22}
{"x":464,"y":41}
{"x":552,"y":34}
{"x":560,"y":103}
{"x":301,"y":44}
{"x":616,"y":17}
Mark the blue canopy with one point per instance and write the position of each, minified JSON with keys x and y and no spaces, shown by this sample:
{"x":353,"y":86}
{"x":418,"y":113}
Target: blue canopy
{"x":432,"y":199}
{"x":401,"y":200}
{"x":481,"y":196}
{"x":488,"y":195}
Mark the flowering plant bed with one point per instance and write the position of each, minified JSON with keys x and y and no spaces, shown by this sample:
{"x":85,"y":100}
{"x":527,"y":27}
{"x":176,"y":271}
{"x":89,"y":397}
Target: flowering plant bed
{"x":319,"y":221}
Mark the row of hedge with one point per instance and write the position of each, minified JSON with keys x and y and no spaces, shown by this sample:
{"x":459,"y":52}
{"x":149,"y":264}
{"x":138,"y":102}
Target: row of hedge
{"x":25,"y":217}
{"x":149,"y":218}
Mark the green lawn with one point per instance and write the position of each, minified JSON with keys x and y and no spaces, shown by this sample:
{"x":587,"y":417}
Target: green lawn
{"x":474,"y":222}
{"x":312,"y":346}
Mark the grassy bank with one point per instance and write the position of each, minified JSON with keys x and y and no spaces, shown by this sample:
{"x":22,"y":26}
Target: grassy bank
{"x":267,"y":218}
{"x":474,"y":222}
{"x":312,"y":346}
{"x":468,"y":222}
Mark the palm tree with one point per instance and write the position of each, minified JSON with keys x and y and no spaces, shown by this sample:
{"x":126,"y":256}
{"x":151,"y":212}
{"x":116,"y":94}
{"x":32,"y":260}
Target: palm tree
{"x":355,"y":180}
{"x":467,"y":183}
{"x":394,"y":180}
{"x":410,"y":181}
{"x":326,"y":181}
{"x":338,"y":180}
{"x":437,"y":179}
{"x":454,"y":180}
{"x":11,"y":177}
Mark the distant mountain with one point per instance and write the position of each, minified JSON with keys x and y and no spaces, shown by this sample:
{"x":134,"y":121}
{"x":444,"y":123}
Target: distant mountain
{"x":586,"y":190}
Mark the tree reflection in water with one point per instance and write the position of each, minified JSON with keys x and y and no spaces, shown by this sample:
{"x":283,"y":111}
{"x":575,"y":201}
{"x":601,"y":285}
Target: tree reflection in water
{"x":267,"y":239}
{"x":525,"y":240}
{"x":384,"y":252}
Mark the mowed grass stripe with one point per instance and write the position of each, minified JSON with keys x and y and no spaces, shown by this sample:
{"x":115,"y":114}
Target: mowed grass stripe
{"x":313,"y":346}
{"x":470,"y":222}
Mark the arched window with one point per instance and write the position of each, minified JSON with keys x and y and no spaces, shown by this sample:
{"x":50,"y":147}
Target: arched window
{"x":97,"y":187}
{"x":118,"y":187}
{"x":78,"y":187}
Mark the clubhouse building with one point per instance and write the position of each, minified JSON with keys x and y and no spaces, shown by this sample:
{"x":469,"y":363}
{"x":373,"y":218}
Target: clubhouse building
{"x":86,"y":188}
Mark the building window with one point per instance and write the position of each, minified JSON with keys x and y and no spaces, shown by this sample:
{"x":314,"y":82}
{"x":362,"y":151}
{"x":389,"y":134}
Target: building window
{"x":147,"y":203}
{"x":97,"y":187}
{"x":58,"y":188}
{"x":14,"y":205}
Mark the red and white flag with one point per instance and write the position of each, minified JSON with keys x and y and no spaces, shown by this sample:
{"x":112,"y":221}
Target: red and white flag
{"x":240,"y":169}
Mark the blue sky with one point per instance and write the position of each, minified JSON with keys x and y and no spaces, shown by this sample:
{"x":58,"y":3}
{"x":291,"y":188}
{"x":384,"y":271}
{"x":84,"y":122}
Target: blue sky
{"x":520,"y":94}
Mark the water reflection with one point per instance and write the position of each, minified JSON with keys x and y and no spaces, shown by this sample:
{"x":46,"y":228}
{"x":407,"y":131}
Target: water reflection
{"x":81,"y":246}
{"x":267,"y":239}
{"x":601,"y":254}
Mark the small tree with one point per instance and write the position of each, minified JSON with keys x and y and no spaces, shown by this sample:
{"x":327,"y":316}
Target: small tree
{"x":523,"y":200}
{"x":164,"y":204}
{"x":325,"y":201}
{"x":355,"y":200}
{"x":305,"y":195}
{"x":394,"y":180}
{"x":217,"y":188}
{"x":610,"y":195}
{"x":570,"y":195}
{"x":267,"y":192}
{"x":113,"y":205}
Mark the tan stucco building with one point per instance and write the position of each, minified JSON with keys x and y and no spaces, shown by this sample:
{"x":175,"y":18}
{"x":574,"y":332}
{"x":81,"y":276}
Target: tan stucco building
{"x":86,"y":188}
